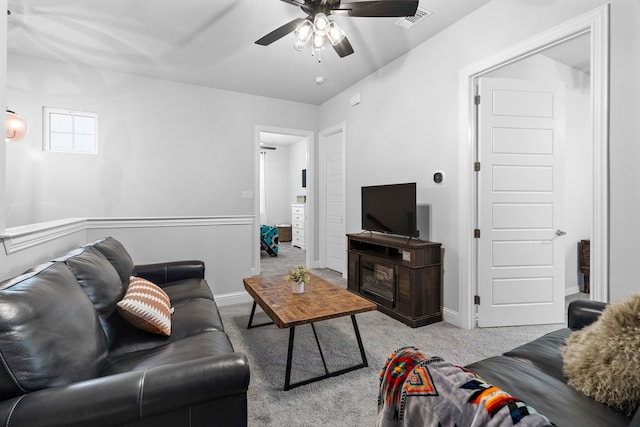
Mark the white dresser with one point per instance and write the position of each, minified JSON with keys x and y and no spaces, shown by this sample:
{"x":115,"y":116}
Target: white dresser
{"x":297,"y":224}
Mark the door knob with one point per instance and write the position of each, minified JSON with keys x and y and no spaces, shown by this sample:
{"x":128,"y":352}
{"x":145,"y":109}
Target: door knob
{"x":560,"y":233}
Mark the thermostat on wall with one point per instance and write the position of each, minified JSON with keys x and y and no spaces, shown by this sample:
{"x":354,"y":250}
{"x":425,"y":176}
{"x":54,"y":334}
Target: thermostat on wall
{"x":438,"y":177}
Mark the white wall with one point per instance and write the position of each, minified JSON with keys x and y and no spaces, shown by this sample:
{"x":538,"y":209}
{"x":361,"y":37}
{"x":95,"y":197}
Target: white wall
{"x":406,"y":126}
{"x":297,"y":162}
{"x":165,"y":148}
{"x":578,"y":151}
{"x":216,"y":241}
{"x":624,"y":149}
{"x":284,"y":179}
{"x":277,"y":179}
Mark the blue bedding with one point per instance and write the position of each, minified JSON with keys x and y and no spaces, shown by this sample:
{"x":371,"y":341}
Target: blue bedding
{"x":269,"y":239}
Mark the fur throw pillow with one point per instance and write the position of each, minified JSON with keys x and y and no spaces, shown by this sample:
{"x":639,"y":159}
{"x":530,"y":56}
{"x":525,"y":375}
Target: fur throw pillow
{"x":603,"y":359}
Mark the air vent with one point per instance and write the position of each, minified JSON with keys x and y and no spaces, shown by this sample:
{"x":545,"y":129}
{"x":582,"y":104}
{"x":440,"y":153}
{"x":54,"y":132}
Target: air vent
{"x":410,"y":21}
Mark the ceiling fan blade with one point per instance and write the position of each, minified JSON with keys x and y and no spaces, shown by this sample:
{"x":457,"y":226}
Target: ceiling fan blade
{"x":280,"y":32}
{"x":378,"y":9}
{"x":295,"y":2}
{"x":343,"y":48}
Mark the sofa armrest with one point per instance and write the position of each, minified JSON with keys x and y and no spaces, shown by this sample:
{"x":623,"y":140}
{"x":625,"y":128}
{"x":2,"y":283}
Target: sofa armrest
{"x":584,"y":312}
{"x":134,"y":396}
{"x":165,"y":272}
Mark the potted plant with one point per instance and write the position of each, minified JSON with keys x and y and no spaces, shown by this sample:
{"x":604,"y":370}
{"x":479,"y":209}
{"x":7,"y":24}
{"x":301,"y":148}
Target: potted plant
{"x":298,"y":276}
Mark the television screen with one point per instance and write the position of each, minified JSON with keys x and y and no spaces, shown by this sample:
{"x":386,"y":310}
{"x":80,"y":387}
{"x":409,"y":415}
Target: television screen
{"x":390,"y":209}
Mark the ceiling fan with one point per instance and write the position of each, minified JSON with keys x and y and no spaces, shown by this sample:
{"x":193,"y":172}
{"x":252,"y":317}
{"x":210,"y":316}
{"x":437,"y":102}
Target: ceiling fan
{"x":317,"y":28}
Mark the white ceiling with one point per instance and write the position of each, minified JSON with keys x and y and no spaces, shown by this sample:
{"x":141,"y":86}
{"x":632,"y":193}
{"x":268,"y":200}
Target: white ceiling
{"x":273,"y":138}
{"x":211,"y":42}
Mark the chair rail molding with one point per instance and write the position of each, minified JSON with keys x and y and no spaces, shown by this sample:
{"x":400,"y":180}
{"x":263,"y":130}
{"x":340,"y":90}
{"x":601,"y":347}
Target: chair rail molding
{"x":23,"y":237}
{"x":147,"y":222}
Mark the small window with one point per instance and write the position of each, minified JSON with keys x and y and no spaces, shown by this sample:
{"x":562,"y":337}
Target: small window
{"x":70,"y":131}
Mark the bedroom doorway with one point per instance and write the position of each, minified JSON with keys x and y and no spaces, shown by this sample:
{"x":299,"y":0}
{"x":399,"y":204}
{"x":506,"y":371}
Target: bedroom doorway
{"x":593,"y":25}
{"x":284,"y":180}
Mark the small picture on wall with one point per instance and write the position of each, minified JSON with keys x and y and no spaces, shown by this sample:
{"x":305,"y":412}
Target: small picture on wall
{"x":304,"y":178}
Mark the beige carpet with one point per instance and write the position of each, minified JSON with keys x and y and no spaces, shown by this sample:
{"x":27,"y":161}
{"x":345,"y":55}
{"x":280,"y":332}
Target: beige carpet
{"x":350,"y":399}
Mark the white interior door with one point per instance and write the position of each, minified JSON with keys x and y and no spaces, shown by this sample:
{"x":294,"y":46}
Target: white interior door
{"x":335,"y":195}
{"x":520,"y":202}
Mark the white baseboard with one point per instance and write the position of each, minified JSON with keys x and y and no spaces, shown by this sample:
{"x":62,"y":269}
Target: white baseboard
{"x":233,"y":298}
{"x":572,"y":290}
{"x":451,"y":316}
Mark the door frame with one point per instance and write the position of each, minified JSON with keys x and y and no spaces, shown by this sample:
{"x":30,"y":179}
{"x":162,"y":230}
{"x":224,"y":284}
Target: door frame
{"x":322,"y":193}
{"x":309,"y":211}
{"x":595,"y":23}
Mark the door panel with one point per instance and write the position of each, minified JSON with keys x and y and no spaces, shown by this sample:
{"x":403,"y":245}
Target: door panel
{"x":520,"y":202}
{"x":522,"y":215}
{"x":336,"y":247}
{"x":520,"y":290}
{"x":522,"y":103}
{"x":522,"y":141}
{"x":522,"y":178}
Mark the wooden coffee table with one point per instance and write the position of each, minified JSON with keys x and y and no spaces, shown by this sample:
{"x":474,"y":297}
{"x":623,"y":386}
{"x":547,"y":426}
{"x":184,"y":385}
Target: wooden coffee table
{"x":321,"y":300}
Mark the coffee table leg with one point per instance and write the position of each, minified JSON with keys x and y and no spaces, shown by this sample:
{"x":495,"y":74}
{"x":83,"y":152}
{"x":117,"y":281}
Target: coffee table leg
{"x":324,"y":363}
{"x":287,"y":378}
{"x":355,"y":328}
{"x":253,"y":312}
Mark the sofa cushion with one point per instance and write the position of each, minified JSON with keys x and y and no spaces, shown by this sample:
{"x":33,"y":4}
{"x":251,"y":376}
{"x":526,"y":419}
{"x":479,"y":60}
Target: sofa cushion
{"x":561,"y":403}
{"x":602,"y":360}
{"x":101,"y":282}
{"x":146,"y":307}
{"x":189,"y":318}
{"x":544,"y":352}
{"x":200,"y":345}
{"x":50,"y":333}
{"x":117,"y":255}
{"x":187,"y":289}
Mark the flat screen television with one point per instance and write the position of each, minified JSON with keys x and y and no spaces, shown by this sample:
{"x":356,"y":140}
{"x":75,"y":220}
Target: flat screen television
{"x":390,"y":209}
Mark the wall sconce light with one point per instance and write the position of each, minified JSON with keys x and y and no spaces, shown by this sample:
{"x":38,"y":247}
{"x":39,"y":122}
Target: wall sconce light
{"x":16,"y":127}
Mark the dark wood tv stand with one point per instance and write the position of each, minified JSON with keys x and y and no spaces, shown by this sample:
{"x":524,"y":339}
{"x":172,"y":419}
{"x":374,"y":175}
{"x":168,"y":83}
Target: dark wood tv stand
{"x":402,"y":276}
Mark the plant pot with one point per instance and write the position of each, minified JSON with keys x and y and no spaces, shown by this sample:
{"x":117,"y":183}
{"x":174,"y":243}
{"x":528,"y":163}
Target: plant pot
{"x":297,"y":287}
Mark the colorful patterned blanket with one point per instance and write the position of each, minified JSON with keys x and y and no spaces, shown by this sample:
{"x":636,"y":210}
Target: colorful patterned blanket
{"x":269,"y":239}
{"x":416,"y":390}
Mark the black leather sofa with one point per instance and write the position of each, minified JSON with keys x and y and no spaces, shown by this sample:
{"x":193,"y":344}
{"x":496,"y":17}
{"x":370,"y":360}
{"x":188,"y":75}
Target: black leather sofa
{"x":68,"y":358}
{"x":533,"y":373}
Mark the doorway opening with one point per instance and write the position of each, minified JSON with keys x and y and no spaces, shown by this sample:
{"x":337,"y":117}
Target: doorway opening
{"x":594,"y":26}
{"x":284,"y":173}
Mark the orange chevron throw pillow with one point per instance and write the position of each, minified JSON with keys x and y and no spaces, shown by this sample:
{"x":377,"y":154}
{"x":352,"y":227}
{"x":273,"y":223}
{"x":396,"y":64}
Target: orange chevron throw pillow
{"x":146,"y":306}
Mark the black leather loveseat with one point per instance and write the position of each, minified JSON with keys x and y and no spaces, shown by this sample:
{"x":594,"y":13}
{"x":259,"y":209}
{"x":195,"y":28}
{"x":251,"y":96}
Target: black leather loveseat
{"x":533,"y":372}
{"x":68,"y":358}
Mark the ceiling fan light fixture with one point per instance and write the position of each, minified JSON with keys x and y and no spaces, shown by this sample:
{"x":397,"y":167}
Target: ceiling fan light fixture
{"x":318,"y":25}
{"x":304,"y":31}
{"x":318,"y":41}
{"x":321,"y":24}
{"x":335,"y":34}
